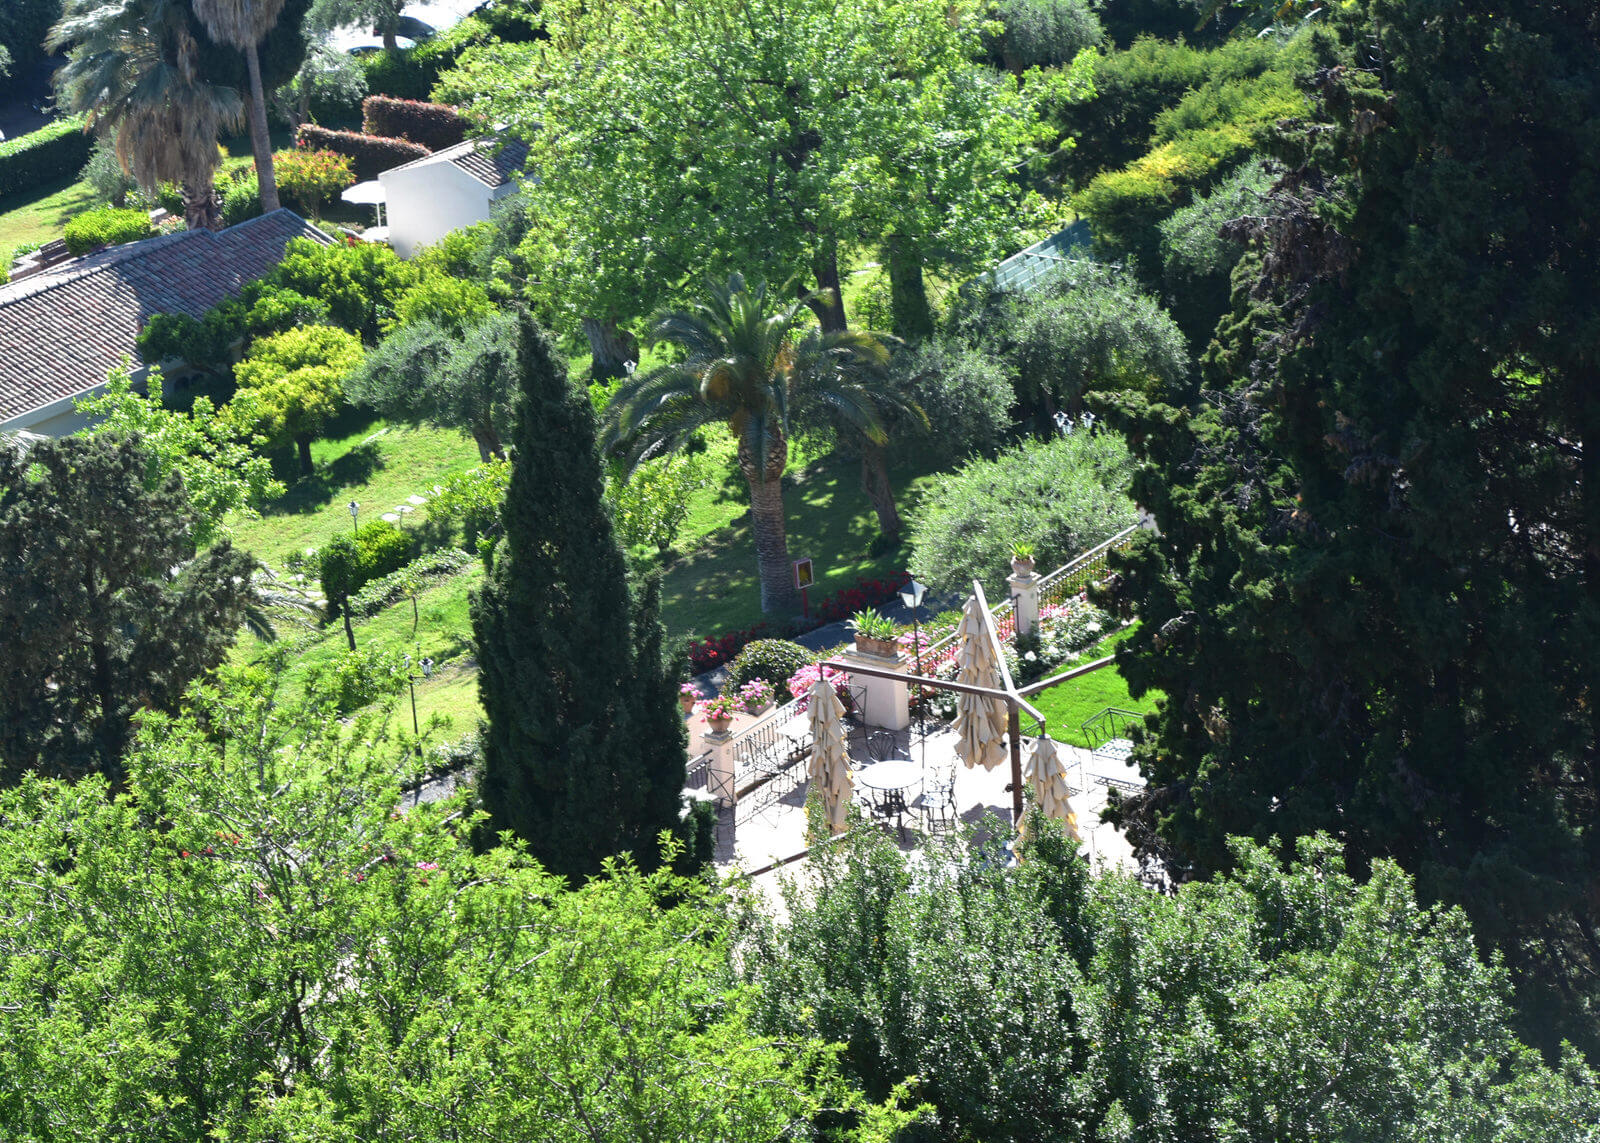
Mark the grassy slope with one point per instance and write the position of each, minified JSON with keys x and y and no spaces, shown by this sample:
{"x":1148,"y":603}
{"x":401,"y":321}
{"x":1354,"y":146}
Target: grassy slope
{"x":362,"y":459}
{"x":1068,"y":706}
{"x":43,"y":218}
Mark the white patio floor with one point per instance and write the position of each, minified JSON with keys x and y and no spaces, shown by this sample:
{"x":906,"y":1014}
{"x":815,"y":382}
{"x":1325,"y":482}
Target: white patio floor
{"x":749,"y":841}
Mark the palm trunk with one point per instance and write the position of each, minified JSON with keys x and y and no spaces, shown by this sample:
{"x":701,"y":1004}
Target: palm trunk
{"x":611,"y":349}
{"x":201,"y":210}
{"x":875,"y":483}
{"x":260,"y":140}
{"x":778,"y":593}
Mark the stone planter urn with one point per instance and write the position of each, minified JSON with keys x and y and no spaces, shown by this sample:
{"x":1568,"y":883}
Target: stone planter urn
{"x":758,"y":711}
{"x":884,"y":648}
{"x":1021,"y":566}
{"x":719,"y":724}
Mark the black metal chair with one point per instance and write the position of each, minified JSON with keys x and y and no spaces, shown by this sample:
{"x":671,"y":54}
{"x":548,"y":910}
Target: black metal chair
{"x":882,"y":744}
{"x":937,"y":805}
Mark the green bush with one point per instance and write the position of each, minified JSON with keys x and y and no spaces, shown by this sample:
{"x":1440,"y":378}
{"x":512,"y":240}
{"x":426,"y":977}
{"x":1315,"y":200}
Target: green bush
{"x":386,"y":591}
{"x":1197,"y":260}
{"x":241,"y":199}
{"x":347,"y":564}
{"x":1063,"y":496}
{"x":774,"y":660}
{"x":357,"y":678}
{"x":1042,"y":33}
{"x":104,"y":173}
{"x":966,"y":393}
{"x":54,"y":152}
{"x":106,"y":226}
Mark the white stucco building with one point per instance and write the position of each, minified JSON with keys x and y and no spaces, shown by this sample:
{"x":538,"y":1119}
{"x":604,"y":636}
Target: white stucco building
{"x":428,"y":198}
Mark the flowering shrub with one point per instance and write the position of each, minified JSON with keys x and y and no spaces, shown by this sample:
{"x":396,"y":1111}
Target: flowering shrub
{"x":723,"y":706}
{"x":1064,"y":630}
{"x":755,"y":695}
{"x":867,"y":593}
{"x":689,"y":689}
{"x":309,"y":178}
{"x":801,"y":682}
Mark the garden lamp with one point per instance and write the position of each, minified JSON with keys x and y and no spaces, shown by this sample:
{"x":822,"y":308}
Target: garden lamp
{"x":355,"y":507}
{"x":911,"y":595}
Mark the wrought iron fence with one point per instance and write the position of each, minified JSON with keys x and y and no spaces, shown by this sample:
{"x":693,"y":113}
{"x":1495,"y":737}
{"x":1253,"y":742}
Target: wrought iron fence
{"x":1073,"y":577}
{"x":698,"y":774}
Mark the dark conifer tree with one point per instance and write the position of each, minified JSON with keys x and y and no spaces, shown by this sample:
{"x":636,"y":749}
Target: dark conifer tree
{"x":1375,"y":603}
{"x":105,"y":609}
{"x":584,"y":747}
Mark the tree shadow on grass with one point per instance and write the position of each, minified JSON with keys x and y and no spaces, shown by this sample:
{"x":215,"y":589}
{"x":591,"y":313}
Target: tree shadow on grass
{"x":315,"y":492}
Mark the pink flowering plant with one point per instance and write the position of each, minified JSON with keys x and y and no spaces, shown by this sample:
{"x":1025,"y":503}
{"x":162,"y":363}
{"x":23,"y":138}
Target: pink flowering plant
{"x":755,"y":695}
{"x":689,"y":689}
{"x":801,"y":682}
{"x":723,"y":706}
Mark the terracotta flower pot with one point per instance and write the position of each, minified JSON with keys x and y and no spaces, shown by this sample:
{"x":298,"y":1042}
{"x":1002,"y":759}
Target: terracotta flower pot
{"x":882,"y":647}
{"x":687,"y":703}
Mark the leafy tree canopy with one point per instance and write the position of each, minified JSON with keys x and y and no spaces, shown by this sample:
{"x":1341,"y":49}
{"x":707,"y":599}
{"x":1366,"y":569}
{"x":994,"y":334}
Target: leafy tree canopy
{"x":221,"y":473}
{"x":292,"y":382}
{"x":674,"y":142}
{"x":107,"y":609}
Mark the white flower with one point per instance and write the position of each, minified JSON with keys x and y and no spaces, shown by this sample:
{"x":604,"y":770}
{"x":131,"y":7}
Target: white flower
{"x":1092,"y":628}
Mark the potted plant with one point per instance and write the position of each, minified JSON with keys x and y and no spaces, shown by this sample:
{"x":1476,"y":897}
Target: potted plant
{"x":718,"y":712}
{"x":756,"y":696}
{"x":1021,"y":559}
{"x":874,"y":633}
{"x":688,"y":695}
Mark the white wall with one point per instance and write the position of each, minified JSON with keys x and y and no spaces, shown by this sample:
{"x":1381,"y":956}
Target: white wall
{"x":428,"y":201}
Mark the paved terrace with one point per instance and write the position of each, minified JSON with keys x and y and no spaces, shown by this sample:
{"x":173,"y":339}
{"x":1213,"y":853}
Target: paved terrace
{"x":769,"y":823}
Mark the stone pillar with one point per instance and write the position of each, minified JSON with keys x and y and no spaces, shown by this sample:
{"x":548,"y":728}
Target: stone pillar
{"x":720,"y":777}
{"x":888,"y":701}
{"x":1025,"y":590}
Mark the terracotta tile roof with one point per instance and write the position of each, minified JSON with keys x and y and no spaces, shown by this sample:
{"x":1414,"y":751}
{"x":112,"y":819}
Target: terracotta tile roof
{"x":490,"y":162}
{"x":62,"y":330}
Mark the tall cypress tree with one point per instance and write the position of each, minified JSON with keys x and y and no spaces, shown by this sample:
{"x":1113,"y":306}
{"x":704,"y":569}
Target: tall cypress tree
{"x":584,"y":750}
{"x":1375,"y":602}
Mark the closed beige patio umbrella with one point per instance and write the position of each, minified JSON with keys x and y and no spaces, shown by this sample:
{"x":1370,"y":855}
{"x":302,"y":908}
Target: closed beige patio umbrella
{"x":980,"y":721}
{"x":830,"y":757}
{"x":1048,"y":781}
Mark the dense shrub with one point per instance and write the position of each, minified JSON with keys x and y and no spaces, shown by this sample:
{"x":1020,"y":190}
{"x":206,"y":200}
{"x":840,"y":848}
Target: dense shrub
{"x":369,"y":155}
{"x":387,"y":590}
{"x":1042,"y":33}
{"x":356,"y":678}
{"x":433,"y":125}
{"x":1197,"y":260}
{"x":966,"y":393}
{"x":106,"y":226}
{"x":360,"y":283}
{"x":54,"y":152}
{"x":347,"y":564}
{"x":772,"y":660}
{"x":1132,"y":87}
{"x":104,"y":173}
{"x":1195,"y":143}
{"x":309,"y":178}
{"x":1062,"y":496}
{"x":409,"y":73}
{"x":241,"y":198}
{"x":513,"y":21}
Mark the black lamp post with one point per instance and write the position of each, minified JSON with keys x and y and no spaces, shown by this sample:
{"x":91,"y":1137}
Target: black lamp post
{"x":355,"y":525}
{"x":416,"y":731}
{"x":911,"y":596}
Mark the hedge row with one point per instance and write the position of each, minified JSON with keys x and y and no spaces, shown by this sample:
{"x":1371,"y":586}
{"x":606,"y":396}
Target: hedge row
{"x":391,"y":589}
{"x":53,"y":152}
{"x":106,"y":226}
{"x":431,"y":125}
{"x":369,"y":154}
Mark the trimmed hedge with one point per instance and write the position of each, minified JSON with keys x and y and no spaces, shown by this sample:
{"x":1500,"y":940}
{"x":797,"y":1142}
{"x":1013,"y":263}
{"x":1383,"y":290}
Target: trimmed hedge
{"x":391,"y":589}
{"x":431,"y":125}
{"x":370,"y":155}
{"x":773,"y":660}
{"x":55,"y":151}
{"x":106,"y":226}
{"x":347,"y":565}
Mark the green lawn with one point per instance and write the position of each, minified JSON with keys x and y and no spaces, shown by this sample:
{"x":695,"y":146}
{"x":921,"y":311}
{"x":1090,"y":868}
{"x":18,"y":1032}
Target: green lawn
{"x":43,"y":218}
{"x":365,"y":459}
{"x":713,"y":587}
{"x":443,"y":633}
{"x":1068,"y":706}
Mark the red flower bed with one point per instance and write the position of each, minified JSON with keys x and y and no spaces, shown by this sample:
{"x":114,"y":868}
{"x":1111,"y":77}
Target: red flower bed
{"x":704,"y":654}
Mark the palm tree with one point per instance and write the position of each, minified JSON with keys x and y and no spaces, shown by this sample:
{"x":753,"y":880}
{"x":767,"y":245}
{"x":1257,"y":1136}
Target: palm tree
{"x":133,"y":69}
{"x":748,"y":365}
{"x":244,"y":24}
